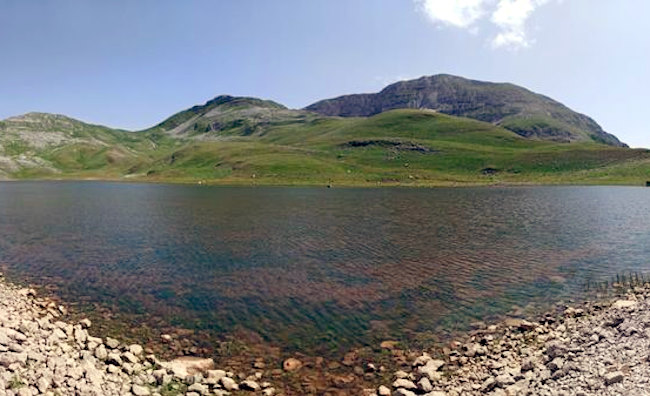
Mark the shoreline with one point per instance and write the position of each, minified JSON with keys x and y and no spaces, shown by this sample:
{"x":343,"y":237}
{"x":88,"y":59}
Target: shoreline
{"x":599,"y":347}
{"x":334,"y":185}
{"x":42,"y":354}
{"x":578,"y":349}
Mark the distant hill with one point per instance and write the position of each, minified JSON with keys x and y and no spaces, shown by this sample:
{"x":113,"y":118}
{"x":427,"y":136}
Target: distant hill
{"x":515,"y":108}
{"x":51,"y":144}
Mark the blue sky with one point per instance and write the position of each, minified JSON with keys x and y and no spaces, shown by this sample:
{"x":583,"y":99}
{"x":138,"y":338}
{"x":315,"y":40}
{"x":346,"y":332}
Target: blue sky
{"x":132,"y":63}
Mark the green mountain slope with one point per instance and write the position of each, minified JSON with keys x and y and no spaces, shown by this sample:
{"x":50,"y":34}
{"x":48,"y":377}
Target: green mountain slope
{"x":507,"y":105}
{"x":50,"y":145}
{"x":250,"y":141}
{"x":414,"y":147}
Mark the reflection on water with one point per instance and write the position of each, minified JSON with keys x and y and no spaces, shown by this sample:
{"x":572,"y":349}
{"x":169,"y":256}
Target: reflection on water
{"x":319,"y":268}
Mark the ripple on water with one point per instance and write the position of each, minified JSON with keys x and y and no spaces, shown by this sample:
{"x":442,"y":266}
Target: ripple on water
{"x":319,"y":268}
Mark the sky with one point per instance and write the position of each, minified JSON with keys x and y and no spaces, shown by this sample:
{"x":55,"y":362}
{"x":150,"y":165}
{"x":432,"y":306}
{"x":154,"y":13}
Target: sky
{"x":132,"y":63}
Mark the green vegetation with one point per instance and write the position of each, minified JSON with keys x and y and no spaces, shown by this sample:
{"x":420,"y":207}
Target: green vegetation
{"x":173,"y":389}
{"x":247,"y":141}
{"x":15,"y":383}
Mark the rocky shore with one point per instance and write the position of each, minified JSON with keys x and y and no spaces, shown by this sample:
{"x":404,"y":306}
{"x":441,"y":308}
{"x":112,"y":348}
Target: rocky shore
{"x":42,"y":355}
{"x":597,"y":348}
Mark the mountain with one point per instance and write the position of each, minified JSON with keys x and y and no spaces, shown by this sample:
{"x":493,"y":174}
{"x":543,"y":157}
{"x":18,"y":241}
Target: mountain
{"x":243,"y":140}
{"x":512,"y":107}
{"x":230,"y":116}
{"x":51,"y":144}
{"x":396,"y":147}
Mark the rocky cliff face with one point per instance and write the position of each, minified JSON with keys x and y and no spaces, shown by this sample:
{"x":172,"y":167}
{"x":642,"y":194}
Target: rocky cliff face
{"x":512,"y":107}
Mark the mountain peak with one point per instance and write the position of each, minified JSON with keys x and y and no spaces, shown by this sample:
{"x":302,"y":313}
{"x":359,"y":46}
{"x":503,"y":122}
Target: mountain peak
{"x":513,"y":107}
{"x":227,"y":114}
{"x":35,"y":116}
{"x":240,"y":101}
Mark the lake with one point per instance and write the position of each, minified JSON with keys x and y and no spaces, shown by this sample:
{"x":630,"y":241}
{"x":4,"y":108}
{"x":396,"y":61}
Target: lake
{"x":318,"y":269}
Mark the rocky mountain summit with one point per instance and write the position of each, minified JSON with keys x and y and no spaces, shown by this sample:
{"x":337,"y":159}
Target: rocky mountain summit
{"x":510,"y":106}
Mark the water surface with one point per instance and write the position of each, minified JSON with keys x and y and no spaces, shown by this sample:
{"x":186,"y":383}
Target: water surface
{"x":319,"y":269}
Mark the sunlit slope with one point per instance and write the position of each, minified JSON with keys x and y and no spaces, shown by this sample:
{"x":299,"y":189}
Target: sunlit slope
{"x":409,"y":147}
{"x":41,"y":145}
{"x":249,"y":141}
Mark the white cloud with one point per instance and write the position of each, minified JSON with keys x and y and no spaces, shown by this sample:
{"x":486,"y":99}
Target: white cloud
{"x":511,"y":17}
{"x":459,"y":13}
{"x":508,"y":16}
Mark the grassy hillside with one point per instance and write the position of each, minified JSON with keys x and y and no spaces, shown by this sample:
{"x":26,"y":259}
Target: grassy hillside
{"x":406,"y":147}
{"x":40,"y":145}
{"x":248,"y":142}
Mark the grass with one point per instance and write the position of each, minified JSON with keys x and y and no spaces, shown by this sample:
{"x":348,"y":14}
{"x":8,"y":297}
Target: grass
{"x":173,"y":389}
{"x":399,"y":147}
{"x":15,"y":383}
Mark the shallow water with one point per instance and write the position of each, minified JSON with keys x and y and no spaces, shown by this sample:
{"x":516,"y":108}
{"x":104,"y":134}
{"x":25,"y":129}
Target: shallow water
{"x":319,"y":269}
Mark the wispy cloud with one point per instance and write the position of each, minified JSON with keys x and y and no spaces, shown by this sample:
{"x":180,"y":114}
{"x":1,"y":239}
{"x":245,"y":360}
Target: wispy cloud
{"x":508,"y":16}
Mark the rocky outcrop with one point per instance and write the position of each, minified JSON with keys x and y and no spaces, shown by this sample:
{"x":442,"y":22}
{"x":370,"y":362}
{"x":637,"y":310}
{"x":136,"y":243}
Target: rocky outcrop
{"x":42,"y":355}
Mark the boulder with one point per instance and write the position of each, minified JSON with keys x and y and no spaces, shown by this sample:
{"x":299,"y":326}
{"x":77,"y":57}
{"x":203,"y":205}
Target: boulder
{"x":199,"y":388}
{"x":425,"y":385}
{"x":188,"y":365}
{"x":431,"y":368}
{"x":112,"y":343}
{"x":249,"y":385}
{"x":229,"y":384}
{"x":136,"y":349}
{"x":422,"y":360}
{"x":139,"y":390}
{"x":613,"y":378}
{"x":404,"y":383}
{"x":114,"y":358}
{"x":85,"y":323}
{"x":101,"y":353}
{"x":291,"y":364}
{"x":620,"y":304}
